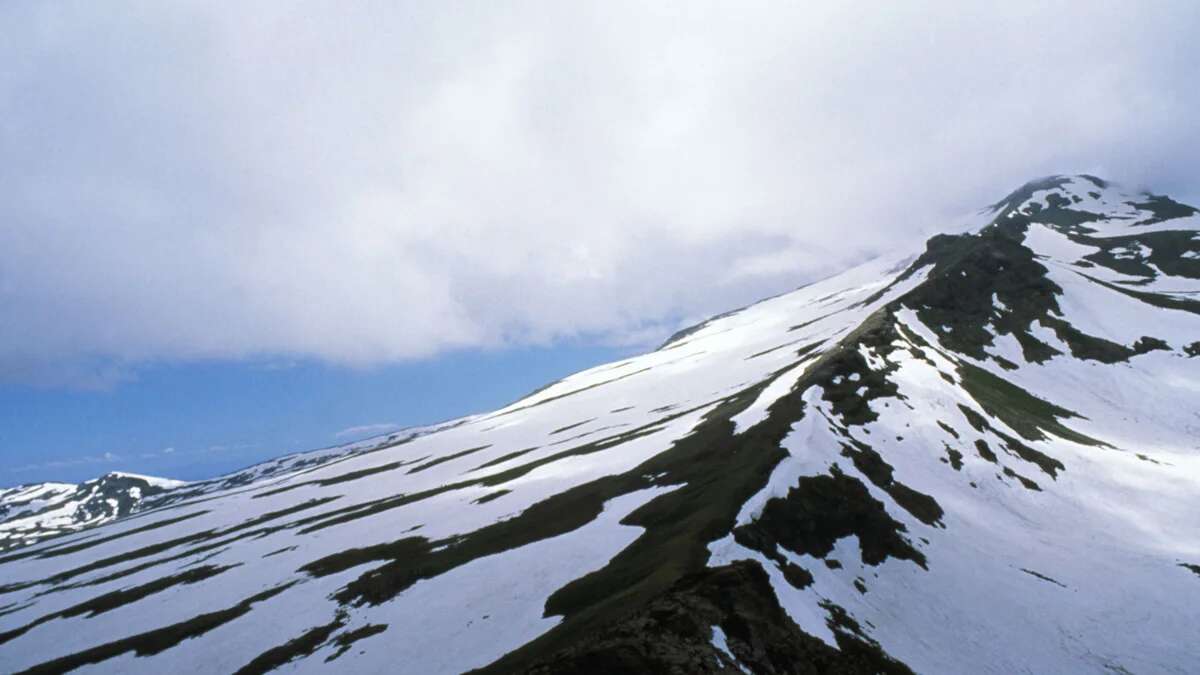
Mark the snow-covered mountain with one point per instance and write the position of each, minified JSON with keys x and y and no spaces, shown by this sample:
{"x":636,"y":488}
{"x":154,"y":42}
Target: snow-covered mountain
{"x":29,"y":513}
{"x":979,"y":455}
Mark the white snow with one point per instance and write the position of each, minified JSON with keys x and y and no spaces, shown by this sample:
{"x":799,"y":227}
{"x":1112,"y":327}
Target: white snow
{"x":165,"y":483}
{"x":722,"y":644}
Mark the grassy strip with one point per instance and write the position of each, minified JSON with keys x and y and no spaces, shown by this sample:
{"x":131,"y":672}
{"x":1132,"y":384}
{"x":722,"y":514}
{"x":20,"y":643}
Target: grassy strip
{"x":1020,"y":410}
{"x":155,"y":641}
{"x":570,"y":393}
{"x":64,"y":549}
{"x":305,"y":644}
{"x":871,"y":464}
{"x":441,"y":460}
{"x":120,"y":598}
{"x":572,"y":426}
{"x":154,"y":549}
{"x":503,"y":458}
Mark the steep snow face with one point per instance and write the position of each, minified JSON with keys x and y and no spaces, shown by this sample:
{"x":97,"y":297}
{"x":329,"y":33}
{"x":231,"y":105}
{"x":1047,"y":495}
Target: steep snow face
{"x":29,"y":513}
{"x":975,"y":456}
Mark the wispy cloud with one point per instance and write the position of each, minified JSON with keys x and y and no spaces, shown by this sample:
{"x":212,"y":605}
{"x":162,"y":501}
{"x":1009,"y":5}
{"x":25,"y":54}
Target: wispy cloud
{"x":366,"y":430}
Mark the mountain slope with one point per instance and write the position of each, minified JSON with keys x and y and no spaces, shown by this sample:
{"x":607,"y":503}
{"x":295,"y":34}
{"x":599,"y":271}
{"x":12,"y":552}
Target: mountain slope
{"x":975,"y":456}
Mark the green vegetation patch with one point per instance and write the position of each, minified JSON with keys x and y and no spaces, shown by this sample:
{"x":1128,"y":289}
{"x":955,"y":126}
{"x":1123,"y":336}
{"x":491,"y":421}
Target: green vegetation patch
{"x":1043,"y":577}
{"x":806,"y":324}
{"x":948,"y":429}
{"x":802,"y":351}
{"x":341,"y":478}
{"x":1163,"y":208}
{"x":1157,"y":299}
{"x":954,"y":458}
{"x":1020,"y":410}
{"x":871,"y":464}
{"x":971,"y":271}
{"x":208,"y":540}
{"x":672,"y":633}
{"x":442,"y":460}
{"x":985,"y":452}
{"x":848,"y":382}
{"x":572,"y":426}
{"x":491,"y":496}
{"x":503,"y":458}
{"x":120,"y":598}
{"x":347,"y":639}
{"x":822,"y":509}
{"x":303,"y":645}
{"x":570,"y":393}
{"x":1025,"y":482}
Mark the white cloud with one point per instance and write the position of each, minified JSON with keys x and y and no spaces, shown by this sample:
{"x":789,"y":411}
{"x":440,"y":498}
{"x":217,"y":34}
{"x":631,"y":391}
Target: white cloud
{"x":363,"y":184}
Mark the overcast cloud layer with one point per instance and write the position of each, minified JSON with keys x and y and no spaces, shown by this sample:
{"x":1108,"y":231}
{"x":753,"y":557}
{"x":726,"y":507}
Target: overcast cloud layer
{"x":368,"y":182}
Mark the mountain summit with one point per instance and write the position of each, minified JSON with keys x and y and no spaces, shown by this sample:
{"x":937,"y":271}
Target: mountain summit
{"x":978,"y":455}
{"x":30,"y":513}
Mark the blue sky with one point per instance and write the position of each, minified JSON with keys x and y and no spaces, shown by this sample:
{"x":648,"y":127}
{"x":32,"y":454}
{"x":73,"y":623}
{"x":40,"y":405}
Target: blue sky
{"x":192,"y":421}
{"x":434,"y":207}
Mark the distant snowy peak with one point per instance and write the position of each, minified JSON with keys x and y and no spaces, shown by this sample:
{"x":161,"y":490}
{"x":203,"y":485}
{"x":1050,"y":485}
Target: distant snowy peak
{"x":29,"y":513}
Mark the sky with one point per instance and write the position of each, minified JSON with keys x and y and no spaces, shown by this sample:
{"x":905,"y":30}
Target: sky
{"x":258,"y":225}
{"x":197,"y":420}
